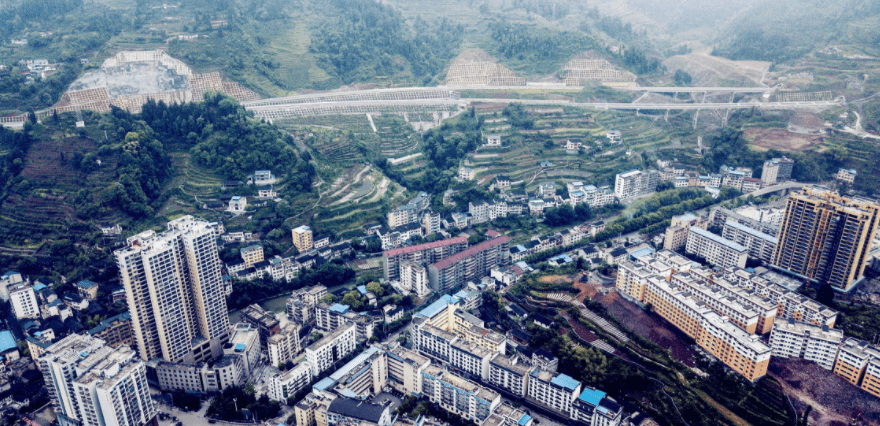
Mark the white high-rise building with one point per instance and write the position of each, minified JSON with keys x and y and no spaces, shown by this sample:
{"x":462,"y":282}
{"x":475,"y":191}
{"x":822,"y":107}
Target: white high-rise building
{"x":175,"y":293}
{"x":414,"y":278}
{"x":284,"y":345}
{"x":24,"y":301}
{"x":790,"y":339}
{"x":331,"y":348}
{"x":91,"y":384}
{"x":634,"y":183}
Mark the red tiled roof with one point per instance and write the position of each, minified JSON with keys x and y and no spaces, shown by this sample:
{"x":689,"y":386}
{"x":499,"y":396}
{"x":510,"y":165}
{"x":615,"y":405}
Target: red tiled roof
{"x":516,"y":270}
{"x":492,"y":233}
{"x":426,"y":246}
{"x":471,"y":251}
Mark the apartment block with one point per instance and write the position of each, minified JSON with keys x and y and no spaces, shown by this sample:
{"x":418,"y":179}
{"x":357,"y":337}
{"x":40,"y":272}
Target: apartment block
{"x":677,"y":233}
{"x":470,"y":359}
{"x":716,"y":250}
{"x":853,"y":360}
{"x":175,"y":292}
{"x":510,"y":374}
{"x":761,"y":246}
{"x":422,"y":254}
{"x":414,"y":278}
{"x":115,"y":330}
{"x":721,"y":215}
{"x":410,"y":212}
{"x":301,"y":304}
{"x":635,"y":183}
{"x":92,"y":384}
{"x":595,"y":408}
{"x":846,"y":175}
{"x":792,"y":339}
{"x":871,"y":381}
{"x":302,"y":238}
{"x":287,"y":384}
{"x":776,"y":170}
{"x":827,"y":237}
{"x":506,"y":415}
{"x":743,"y":352}
{"x":458,"y":395}
{"x":334,"y":346}
{"x":330,"y":317}
{"x":24,"y":301}
{"x":405,"y":368}
{"x":264,"y":321}
{"x":252,"y":255}
{"x":468,"y":265}
{"x":285,"y":345}
{"x":556,"y":392}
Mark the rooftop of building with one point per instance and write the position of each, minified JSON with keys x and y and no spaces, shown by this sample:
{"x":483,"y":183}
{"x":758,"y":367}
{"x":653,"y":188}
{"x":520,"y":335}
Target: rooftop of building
{"x":84,"y":284}
{"x":504,"y":362}
{"x":7,"y":342}
{"x":743,"y":337}
{"x":718,"y":239}
{"x":592,"y":396}
{"x":357,"y":409}
{"x":485,"y":245}
{"x":814,"y":331}
{"x":426,"y":246}
{"x":860,"y":348}
{"x":331,"y":336}
{"x":751,"y":231}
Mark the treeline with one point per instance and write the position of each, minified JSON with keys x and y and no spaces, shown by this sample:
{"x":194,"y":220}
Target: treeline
{"x":245,"y":293}
{"x":364,"y":40}
{"x":636,"y":61}
{"x":756,"y":45}
{"x":223,"y":137}
{"x":525,"y":42}
{"x":16,"y":17}
{"x":14,"y":146}
{"x":518,"y":117}
{"x":445,"y":147}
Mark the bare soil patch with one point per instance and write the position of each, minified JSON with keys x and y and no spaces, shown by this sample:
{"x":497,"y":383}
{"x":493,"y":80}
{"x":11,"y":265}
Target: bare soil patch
{"x":555,"y":279}
{"x":781,"y":139}
{"x":834,"y":400}
{"x":807,"y":119}
{"x":649,"y":326}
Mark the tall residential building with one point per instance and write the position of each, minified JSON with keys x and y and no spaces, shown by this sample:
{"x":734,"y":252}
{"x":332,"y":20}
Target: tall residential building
{"x":473,"y":263}
{"x":91,"y":384}
{"x":302,"y":238}
{"x":776,"y":170}
{"x":414,"y":278}
{"x":24,"y":301}
{"x":634,"y":183}
{"x":827,"y":237}
{"x":284,"y":345}
{"x":252,"y":254}
{"x":175,"y":292}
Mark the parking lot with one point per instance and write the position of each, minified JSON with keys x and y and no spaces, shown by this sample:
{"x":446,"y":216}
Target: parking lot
{"x":387,"y":398}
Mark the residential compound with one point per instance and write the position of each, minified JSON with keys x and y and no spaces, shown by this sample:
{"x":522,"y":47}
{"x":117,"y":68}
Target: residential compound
{"x":175,"y":293}
{"x":635,"y":183}
{"x":724,"y":311}
{"x":826,"y":237}
{"x":90,"y":383}
{"x":422,"y":255}
{"x":760,"y":245}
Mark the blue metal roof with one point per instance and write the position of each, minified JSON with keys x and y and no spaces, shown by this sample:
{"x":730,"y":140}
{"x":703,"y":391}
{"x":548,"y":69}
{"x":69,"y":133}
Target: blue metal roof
{"x":8,"y":273}
{"x":452,"y":300}
{"x":39,"y":286}
{"x":362,"y":289}
{"x":342,"y":309}
{"x":524,"y":420}
{"x":566,"y":382}
{"x":592,"y":396}
{"x":324,"y":384}
{"x":434,"y":308}
{"x":240,"y":347}
{"x":7,"y":342}
{"x":84,"y":284}
{"x":642,"y":252}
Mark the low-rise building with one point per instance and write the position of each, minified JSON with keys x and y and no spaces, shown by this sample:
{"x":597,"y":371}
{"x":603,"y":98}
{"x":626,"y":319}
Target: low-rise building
{"x":846,"y":175}
{"x":87,"y":289}
{"x":286,"y":384}
{"x":595,"y":408}
{"x":238,"y":204}
{"x":466,"y":173}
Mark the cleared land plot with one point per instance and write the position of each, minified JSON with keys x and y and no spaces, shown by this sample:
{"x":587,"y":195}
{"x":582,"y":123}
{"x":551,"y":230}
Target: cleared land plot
{"x":781,"y":140}
{"x":834,"y":400}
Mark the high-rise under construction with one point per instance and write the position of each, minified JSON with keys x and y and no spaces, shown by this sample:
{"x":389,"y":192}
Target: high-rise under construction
{"x":175,"y":292}
{"x":827,"y":237}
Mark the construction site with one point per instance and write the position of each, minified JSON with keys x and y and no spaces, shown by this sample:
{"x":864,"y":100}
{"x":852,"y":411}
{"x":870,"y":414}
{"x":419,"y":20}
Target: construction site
{"x":475,"y":67}
{"x":589,"y":67}
{"x":130,"y":79}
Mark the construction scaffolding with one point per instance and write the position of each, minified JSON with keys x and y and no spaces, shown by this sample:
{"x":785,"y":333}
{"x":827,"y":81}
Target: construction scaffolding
{"x":475,"y":67}
{"x":587,"y":67}
{"x":804,"y":97}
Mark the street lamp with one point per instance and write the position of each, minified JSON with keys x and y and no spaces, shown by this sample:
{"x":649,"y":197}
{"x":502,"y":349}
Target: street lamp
{"x":235,"y":401}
